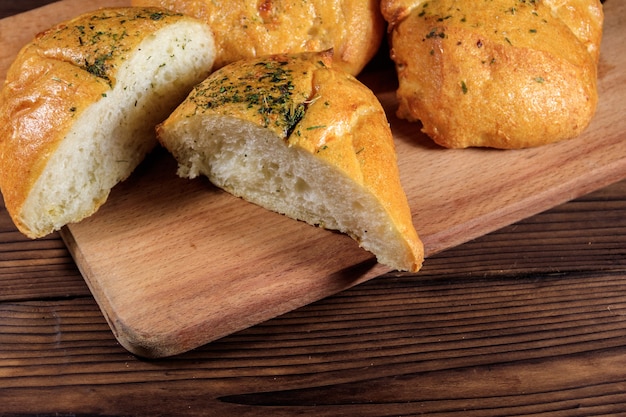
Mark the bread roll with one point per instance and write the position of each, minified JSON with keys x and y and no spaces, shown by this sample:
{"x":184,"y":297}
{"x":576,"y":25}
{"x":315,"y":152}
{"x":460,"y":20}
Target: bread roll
{"x":500,"y":73}
{"x":79,"y":107}
{"x":253,"y":28}
{"x":295,"y":136}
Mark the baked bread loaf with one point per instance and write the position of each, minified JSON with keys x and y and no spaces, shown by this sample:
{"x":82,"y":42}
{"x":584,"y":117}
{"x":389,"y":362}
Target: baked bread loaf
{"x":80,"y":104}
{"x":500,"y":73}
{"x":294,"y":135}
{"x":253,"y":28}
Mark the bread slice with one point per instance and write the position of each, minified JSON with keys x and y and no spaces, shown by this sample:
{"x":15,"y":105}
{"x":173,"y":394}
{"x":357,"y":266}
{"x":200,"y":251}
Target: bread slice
{"x":501,"y":73}
{"x":246,"y":29}
{"x":293,"y":135}
{"x":79,"y":107}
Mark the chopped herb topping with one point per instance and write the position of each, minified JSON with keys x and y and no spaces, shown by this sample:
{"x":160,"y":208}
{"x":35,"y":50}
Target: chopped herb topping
{"x":265,"y":87}
{"x":157,"y":16}
{"x":98,"y":66}
{"x":436,"y":33}
{"x":101,"y":40}
{"x":439,"y":14}
{"x":322,"y":148}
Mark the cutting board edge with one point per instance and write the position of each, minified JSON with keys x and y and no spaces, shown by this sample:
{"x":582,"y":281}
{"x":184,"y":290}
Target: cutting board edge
{"x":146,"y":343}
{"x":525,"y":208}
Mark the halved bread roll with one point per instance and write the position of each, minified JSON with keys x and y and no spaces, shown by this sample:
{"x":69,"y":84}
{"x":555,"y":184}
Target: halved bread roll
{"x":501,"y":73}
{"x":295,"y":136}
{"x":246,"y":29}
{"x":80,"y":103}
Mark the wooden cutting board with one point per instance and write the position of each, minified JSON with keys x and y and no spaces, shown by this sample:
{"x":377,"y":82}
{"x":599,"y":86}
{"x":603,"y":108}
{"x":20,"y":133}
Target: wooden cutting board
{"x":175,"y":264}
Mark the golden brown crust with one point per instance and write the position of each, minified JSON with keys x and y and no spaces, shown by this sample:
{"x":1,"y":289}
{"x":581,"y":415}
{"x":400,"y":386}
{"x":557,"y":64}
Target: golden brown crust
{"x":503,"y":73}
{"x":53,"y":79}
{"x":248,"y":29}
{"x":365,"y":151}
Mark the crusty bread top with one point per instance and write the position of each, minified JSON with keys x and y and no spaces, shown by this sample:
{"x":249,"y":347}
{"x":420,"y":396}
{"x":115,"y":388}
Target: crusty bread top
{"x":56,"y":78}
{"x":248,"y":29}
{"x":312,"y":109}
{"x":499,"y":73}
{"x":535,"y":24}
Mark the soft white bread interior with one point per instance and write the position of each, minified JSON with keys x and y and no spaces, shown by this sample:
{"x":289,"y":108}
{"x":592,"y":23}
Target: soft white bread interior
{"x":498,"y":73}
{"x":79,"y":107}
{"x":292,"y":134}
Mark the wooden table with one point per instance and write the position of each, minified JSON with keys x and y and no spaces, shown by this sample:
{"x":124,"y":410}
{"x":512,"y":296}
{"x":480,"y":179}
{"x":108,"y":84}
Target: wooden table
{"x":528,"y":320}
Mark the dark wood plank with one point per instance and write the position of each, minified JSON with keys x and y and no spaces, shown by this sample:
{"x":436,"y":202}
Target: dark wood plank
{"x":395,"y":344}
{"x":12,"y":7}
{"x":36,"y":269}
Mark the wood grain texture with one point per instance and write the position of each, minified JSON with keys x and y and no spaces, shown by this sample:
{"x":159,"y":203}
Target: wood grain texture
{"x":507,"y":324}
{"x":172,"y":265}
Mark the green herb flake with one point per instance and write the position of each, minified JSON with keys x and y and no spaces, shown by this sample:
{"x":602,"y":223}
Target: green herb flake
{"x":322,"y":148}
{"x":157,"y":16}
{"x":463,"y":87}
{"x":436,"y":33}
{"x":98,"y":67}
